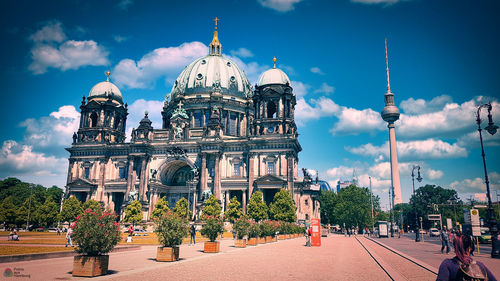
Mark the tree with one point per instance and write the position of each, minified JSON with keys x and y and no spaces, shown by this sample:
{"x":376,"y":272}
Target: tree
{"x":234,"y":210}
{"x":8,"y":212}
{"x":283,"y":208}
{"x":47,"y":213}
{"x":212,"y":207}
{"x":161,"y":207}
{"x":432,"y":199}
{"x":327,"y":201}
{"x":71,"y":208}
{"x":133,"y":212}
{"x":55,"y":193}
{"x":93,"y":205}
{"x":257,"y":208}
{"x":182,"y":209}
{"x":26,"y":211}
{"x":353,"y":207}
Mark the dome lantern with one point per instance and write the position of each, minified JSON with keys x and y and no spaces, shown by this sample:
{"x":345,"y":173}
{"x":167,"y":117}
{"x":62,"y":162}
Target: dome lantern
{"x":215,"y":46}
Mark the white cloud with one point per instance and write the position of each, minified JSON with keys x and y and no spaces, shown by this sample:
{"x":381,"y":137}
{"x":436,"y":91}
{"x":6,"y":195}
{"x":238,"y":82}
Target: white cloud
{"x":354,"y":121}
{"x":51,"y":32}
{"x":477,"y":184}
{"x":50,"y":133}
{"x":136,"y":113}
{"x":279,"y":5}
{"x":161,"y":62}
{"x":17,"y":159}
{"x":472,"y":139}
{"x":242,"y":53}
{"x":419,"y":149}
{"x":325,"y":89}
{"x":120,"y":39}
{"x":50,"y":50}
{"x":319,"y":108}
{"x":316,"y":70}
{"x":299,"y":89}
{"x":419,"y":106}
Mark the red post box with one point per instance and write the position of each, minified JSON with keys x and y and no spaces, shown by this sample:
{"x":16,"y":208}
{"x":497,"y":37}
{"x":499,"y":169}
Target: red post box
{"x":316,"y":232}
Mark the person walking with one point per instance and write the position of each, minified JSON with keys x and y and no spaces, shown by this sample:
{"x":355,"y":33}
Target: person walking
{"x":445,"y":242}
{"x":68,"y":237}
{"x":308,"y":237}
{"x":462,"y":266}
{"x":193,"y":235}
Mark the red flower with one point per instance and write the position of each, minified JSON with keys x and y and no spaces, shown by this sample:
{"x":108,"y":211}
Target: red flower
{"x":102,"y":224}
{"x":78,"y":217}
{"x":88,"y":211}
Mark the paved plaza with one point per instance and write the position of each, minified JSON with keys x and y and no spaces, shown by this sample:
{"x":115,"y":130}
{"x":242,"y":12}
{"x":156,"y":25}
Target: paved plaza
{"x":339,"y":258}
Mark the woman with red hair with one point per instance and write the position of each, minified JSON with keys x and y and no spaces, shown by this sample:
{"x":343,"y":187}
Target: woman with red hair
{"x":462,"y":267}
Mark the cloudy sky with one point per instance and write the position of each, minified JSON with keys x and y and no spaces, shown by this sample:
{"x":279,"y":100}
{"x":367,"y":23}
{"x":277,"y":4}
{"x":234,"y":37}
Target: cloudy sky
{"x":443,"y":58}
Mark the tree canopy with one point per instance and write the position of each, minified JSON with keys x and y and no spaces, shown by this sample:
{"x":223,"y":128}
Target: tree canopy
{"x":257,"y":208}
{"x":234,"y":210}
{"x":71,"y":208}
{"x":133,"y":212}
{"x":182,"y":209}
{"x":283,"y":208}
{"x":212,"y":207}
{"x":161,"y":207}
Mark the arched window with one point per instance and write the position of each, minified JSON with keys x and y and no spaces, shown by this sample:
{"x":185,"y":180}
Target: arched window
{"x":271,"y":109}
{"x":93,"y":119}
{"x":117,"y":123}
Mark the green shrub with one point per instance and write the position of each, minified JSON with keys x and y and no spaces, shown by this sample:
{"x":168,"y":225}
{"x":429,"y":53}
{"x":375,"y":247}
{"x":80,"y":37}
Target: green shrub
{"x":96,"y":233}
{"x":254,"y":230}
{"x":170,"y":229}
{"x":241,"y":227}
{"x":212,"y":228}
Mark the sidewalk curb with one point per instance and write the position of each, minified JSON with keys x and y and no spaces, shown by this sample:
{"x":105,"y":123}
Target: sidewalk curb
{"x":412,"y":259}
{"x":51,"y":255}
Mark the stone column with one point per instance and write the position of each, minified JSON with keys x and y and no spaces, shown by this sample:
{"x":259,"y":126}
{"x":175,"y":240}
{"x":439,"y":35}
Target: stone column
{"x":193,"y":207}
{"x":250,"y":173}
{"x":289,"y":161}
{"x":227,"y":199}
{"x":142,"y":193}
{"x":203,"y":172}
{"x":71,"y":164}
{"x":217,"y":190}
{"x":102,"y":177}
{"x":244,"y":201}
{"x":130,"y":178}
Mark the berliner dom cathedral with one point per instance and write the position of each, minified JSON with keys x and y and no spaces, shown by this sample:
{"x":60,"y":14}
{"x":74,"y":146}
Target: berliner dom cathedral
{"x":219,"y":135}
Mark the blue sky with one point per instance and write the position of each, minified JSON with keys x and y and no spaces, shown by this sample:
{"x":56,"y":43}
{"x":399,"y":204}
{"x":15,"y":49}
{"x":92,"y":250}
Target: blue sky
{"x":443,"y":58}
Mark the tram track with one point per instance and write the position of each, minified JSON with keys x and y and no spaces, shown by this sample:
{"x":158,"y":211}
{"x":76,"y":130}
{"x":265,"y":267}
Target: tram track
{"x":396,"y":265}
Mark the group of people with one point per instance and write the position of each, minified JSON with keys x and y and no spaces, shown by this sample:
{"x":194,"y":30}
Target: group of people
{"x":13,"y":236}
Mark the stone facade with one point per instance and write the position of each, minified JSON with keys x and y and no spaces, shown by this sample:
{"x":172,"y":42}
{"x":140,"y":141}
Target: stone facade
{"x":225,"y":139}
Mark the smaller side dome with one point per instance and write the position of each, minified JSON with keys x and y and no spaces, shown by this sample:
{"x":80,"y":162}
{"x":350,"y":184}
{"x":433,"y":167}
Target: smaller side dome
{"x":273,"y":76}
{"x":106,"y":90}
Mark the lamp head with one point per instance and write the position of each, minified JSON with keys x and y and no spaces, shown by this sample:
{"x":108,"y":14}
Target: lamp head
{"x":491,"y":128}
{"x":419,"y":178}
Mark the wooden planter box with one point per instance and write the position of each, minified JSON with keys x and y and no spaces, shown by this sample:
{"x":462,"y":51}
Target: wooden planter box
{"x":167,"y":253}
{"x":212,"y":247}
{"x":274,"y":239}
{"x":240,"y":243}
{"x":282,"y":236}
{"x":261,"y":240}
{"x":90,"y":266}
{"x":287,"y":236}
{"x":252,"y":241}
{"x":269,"y":239}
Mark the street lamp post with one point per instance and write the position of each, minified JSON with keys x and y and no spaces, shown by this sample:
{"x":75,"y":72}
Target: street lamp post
{"x":29,"y":208}
{"x":390,"y":213}
{"x":419,"y":178}
{"x":492,"y":129}
{"x":371,"y":201}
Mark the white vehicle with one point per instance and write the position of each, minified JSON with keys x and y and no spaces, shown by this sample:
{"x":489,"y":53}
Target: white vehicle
{"x":382,"y":227}
{"x":434,"y":232}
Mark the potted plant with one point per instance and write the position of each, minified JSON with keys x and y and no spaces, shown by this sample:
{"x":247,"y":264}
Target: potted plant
{"x":262,"y":233}
{"x":96,"y":234}
{"x":170,"y":229}
{"x":274,"y":230}
{"x":241,"y":227}
{"x":266,"y":229}
{"x":212,"y":228}
{"x":253,"y":233}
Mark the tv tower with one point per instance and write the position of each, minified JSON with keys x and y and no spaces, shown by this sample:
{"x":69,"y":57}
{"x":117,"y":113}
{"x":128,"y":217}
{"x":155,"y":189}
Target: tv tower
{"x":390,"y":114}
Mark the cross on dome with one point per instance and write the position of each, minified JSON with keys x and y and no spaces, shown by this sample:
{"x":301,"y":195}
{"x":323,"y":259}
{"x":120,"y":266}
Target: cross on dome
{"x":215,"y":47}
{"x":180,"y":105}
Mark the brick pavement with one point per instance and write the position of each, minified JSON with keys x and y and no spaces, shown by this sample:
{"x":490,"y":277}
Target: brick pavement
{"x":339,"y":258}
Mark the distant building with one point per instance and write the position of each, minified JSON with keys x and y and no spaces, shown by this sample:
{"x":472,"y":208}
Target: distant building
{"x":343,"y":184}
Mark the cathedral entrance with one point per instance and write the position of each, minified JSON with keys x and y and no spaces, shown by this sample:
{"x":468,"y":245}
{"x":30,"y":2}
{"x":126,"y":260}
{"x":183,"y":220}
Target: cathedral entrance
{"x":269,"y":194}
{"x":179,"y":178}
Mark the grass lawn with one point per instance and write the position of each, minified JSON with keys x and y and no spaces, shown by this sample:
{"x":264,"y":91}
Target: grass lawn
{"x":17,"y":250}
